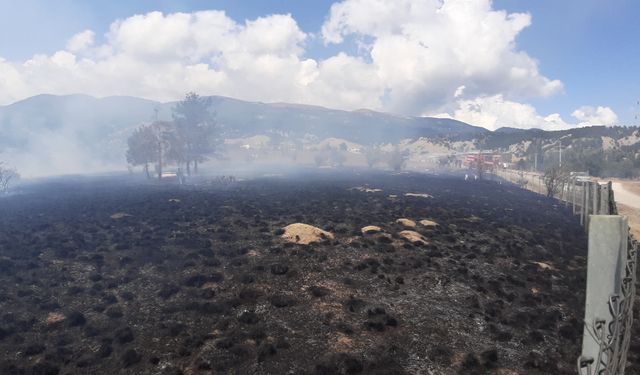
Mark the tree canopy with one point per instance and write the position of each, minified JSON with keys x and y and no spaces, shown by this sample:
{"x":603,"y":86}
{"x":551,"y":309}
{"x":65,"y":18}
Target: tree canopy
{"x":186,"y":141}
{"x":7,"y":175}
{"x":195,"y":135}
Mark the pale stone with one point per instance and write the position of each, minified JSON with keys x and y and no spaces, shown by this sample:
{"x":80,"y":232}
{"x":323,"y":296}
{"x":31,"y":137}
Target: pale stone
{"x":406,"y":222}
{"x":304,"y":234}
{"x":419,"y":195}
{"x":428,"y":223}
{"x":412,"y":236}
{"x":371,"y":229}
{"x":54,"y":318}
{"x":120,"y":215}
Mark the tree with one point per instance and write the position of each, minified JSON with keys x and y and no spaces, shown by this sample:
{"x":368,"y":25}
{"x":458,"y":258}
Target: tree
{"x":142,"y":148}
{"x":480,"y":166}
{"x":554,"y":179}
{"x":321,"y":158}
{"x":372,"y":155}
{"x":195,"y":131}
{"x":7,"y":175}
{"x":152,"y":143}
{"x":397,"y":158}
{"x":333,"y":156}
{"x":338,"y":155}
{"x":446,"y":161}
{"x":522,"y":181}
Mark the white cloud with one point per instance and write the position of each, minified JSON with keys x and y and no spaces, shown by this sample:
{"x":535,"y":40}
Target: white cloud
{"x":493,"y":112}
{"x":424,"y":50}
{"x":80,"y":41}
{"x":459,"y":91}
{"x":414,"y":57}
{"x":595,"y":116}
{"x":162,"y":56}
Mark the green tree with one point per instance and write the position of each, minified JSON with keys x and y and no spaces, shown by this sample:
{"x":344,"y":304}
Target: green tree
{"x":373,"y":155}
{"x":195,"y":126}
{"x":397,"y":158}
{"x":152,"y":143}
{"x":142,"y":148}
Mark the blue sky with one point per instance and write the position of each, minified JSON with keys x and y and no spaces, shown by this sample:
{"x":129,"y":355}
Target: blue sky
{"x":591,"y":47}
{"x":44,"y":26}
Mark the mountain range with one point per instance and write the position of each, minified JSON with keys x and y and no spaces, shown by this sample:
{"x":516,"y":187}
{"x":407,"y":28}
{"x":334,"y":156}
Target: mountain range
{"x":71,"y":133}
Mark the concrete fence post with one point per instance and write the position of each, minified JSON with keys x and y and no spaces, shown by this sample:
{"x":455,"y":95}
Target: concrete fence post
{"x":576,"y":189}
{"x":583,"y":196}
{"x":604,"y":199}
{"x":573,"y":196}
{"x":587,"y":204}
{"x":608,"y":241}
{"x":613,"y":207}
{"x":595,"y":196}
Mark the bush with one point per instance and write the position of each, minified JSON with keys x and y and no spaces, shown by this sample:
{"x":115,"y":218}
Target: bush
{"x":373,"y":155}
{"x":7,"y":176}
{"x":396,"y":159}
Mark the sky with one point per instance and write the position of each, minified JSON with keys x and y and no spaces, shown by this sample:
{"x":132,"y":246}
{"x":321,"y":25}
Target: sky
{"x":543,"y":64}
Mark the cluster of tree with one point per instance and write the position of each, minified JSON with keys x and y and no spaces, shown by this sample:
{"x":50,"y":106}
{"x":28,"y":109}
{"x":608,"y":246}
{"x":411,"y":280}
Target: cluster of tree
{"x":188,"y":140}
{"x":623,"y":162}
{"x":7,"y":176}
{"x":555,"y":179}
{"x":504,"y":138}
{"x":616,"y":162}
{"x":394,"y":159}
{"x":335,"y":156}
{"x":588,"y":153}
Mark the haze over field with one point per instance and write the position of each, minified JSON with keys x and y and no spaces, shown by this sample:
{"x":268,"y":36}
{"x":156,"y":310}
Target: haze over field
{"x":49,"y":135}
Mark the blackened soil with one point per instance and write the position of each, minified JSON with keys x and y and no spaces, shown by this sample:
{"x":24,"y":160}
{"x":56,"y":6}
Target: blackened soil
{"x":197,"y":281}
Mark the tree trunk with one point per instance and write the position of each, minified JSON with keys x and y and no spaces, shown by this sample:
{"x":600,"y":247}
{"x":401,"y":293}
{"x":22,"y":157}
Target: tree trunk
{"x":188,"y":168}
{"x":160,"y":165}
{"x":146,"y":169}
{"x":195,"y":167}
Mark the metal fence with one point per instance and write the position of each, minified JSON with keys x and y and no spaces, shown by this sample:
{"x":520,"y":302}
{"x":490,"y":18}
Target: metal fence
{"x":611,"y":333}
{"x":606,"y":335}
{"x":613,"y":336}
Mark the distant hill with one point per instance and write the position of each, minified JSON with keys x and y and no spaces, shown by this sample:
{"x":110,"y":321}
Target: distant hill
{"x":93,"y":119}
{"x":80,"y":132}
{"x":47,"y":134}
{"x":606,"y":151}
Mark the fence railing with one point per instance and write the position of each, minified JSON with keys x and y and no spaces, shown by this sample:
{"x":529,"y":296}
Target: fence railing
{"x":611,"y":269}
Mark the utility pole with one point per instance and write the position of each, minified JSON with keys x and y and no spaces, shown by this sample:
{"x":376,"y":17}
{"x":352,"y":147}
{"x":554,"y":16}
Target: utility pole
{"x":560,"y":153}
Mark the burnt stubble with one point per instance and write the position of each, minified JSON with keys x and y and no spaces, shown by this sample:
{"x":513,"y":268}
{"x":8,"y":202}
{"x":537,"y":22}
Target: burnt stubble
{"x":197,"y":280}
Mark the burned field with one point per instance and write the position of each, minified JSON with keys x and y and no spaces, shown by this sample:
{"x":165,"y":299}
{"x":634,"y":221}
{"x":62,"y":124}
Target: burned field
{"x":103,"y":278}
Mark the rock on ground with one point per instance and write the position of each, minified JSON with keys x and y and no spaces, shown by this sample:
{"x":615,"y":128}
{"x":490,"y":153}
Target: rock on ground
{"x":413,"y":237}
{"x":428,"y":223}
{"x":406,"y":222}
{"x":371,"y":229}
{"x":304,"y":234}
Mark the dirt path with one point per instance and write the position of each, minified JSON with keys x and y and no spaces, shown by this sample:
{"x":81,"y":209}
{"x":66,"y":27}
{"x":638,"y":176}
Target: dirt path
{"x":628,"y":198}
{"x":625,"y":196}
{"x":634,"y":218}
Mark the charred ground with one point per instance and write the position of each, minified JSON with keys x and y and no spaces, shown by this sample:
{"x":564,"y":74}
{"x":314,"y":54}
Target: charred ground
{"x":103,"y":277}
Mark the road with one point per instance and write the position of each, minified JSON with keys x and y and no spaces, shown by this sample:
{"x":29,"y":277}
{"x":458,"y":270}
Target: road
{"x":625,"y":196}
